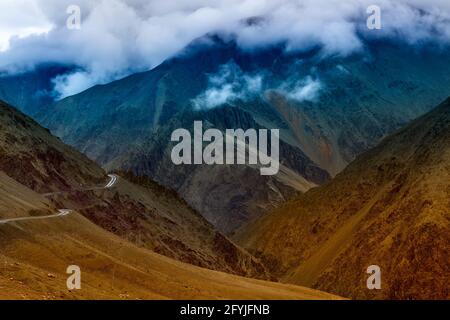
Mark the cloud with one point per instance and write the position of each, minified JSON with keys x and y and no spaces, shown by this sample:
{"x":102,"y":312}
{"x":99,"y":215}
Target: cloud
{"x":307,"y":89}
{"x":119,"y":37}
{"x":65,"y":85}
{"x":20,"y":19}
{"x":229,"y":84}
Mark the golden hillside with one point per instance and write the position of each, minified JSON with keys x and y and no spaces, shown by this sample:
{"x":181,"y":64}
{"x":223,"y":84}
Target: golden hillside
{"x":35,"y":254}
{"x":152,"y":217}
{"x":390,"y":207}
{"x":110,"y":233}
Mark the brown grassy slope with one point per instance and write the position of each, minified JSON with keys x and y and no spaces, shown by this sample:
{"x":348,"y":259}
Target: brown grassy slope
{"x":155,"y":218}
{"x":152,"y":218}
{"x":390,"y":207}
{"x":34,"y":256}
{"x":17,"y":200}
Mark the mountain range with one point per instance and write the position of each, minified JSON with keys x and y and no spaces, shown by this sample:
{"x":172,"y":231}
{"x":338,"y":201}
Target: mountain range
{"x":363,"y":180}
{"x":328,"y":109}
{"x":390,"y":208}
{"x":113,"y":232}
{"x":146,"y":213}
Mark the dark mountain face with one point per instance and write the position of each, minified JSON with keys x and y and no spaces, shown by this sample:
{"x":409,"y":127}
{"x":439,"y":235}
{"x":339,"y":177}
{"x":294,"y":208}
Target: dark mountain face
{"x":31,"y":91}
{"x":328,"y":110}
{"x":227,"y":195}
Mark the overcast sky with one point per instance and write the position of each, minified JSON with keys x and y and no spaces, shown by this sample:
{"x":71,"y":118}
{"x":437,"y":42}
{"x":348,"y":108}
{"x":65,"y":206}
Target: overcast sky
{"x":118,"y":37}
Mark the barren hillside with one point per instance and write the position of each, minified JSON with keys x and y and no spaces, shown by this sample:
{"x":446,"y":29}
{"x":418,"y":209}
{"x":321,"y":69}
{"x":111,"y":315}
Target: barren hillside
{"x":391,"y":207}
{"x":150,"y":216}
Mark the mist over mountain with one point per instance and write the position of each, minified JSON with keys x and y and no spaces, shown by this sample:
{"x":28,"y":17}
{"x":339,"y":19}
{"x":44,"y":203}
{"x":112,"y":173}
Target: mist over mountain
{"x":329,"y":109}
{"x":150,"y":32}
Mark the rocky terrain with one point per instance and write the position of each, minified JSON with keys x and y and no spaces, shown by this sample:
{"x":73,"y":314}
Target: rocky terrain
{"x":35,"y":255}
{"x":328,"y":111}
{"x":390,"y":208}
{"x":228,"y":196}
{"x":149,"y":215}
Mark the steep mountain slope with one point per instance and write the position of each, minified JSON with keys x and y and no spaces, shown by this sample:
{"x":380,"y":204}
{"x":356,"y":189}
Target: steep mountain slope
{"x":35,"y":255}
{"x":367,"y":95}
{"x":388,"y":208}
{"x":108,"y":117}
{"x":328,"y":111}
{"x":17,"y":200}
{"x":36,"y":159}
{"x":152,"y":216}
{"x":228,"y":196}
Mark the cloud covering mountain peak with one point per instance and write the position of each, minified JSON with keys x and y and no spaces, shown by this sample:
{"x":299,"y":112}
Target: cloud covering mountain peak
{"x":119,"y":37}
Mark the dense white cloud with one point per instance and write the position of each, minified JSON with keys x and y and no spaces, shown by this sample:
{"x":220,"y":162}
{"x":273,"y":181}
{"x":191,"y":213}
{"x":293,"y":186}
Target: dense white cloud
{"x":19,"y":19}
{"x":119,"y":37}
{"x":307,"y":89}
{"x":229,"y":84}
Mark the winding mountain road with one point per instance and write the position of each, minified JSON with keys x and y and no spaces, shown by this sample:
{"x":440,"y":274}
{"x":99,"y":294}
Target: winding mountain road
{"x":61,"y":212}
{"x":112,"y":182}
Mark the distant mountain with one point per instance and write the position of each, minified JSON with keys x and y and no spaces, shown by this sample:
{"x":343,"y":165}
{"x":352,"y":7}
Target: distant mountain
{"x":230,"y":195}
{"x":31,"y":91}
{"x":148,"y":214}
{"x":390,"y":208}
{"x":329,"y":110}
{"x":364,"y":97}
